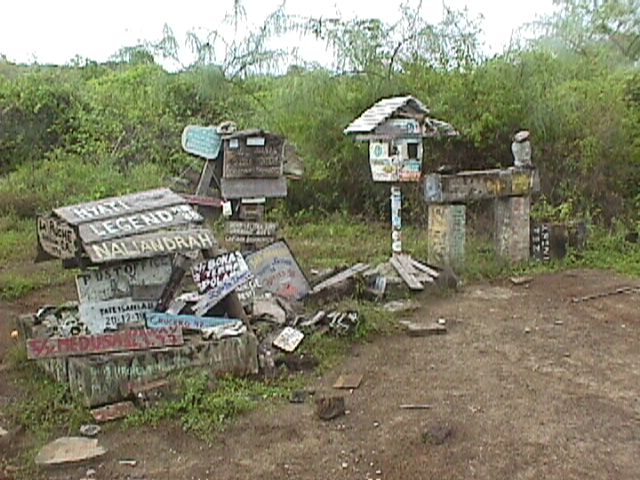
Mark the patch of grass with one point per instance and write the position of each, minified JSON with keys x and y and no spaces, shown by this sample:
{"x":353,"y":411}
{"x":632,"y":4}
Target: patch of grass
{"x":17,"y":238}
{"x":15,"y":284}
{"x":204,"y":410}
{"x":45,"y":407}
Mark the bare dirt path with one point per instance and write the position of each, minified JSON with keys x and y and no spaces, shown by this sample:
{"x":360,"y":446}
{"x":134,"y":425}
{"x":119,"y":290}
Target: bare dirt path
{"x":529,"y":385}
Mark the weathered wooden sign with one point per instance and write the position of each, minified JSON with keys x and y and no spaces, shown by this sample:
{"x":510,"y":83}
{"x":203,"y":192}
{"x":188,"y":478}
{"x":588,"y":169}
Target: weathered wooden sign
{"x":541,"y":242}
{"x":106,"y":283}
{"x":57,"y":238}
{"x":253,"y":154}
{"x":218,"y":277}
{"x":278,"y":272}
{"x":400,"y":161}
{"x":150,"y":245}
{"x":140,"y":339}
{"x":233,"y":188}
{"x":201,"y":141}
{"x":250,"y":232}
{"x":118,"y":206}
{"x":138,"y":223}
{"x":289,"y":339}
{"x":187,"y":322}
{"x":108,"y":315}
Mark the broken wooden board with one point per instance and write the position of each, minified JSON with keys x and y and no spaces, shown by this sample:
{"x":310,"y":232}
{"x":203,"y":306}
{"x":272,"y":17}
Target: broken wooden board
{"x":288,"y":339}
{"x":250,"y":232}
{"x":114,"y":411}
{"x":118,"y":206}
{"x":56,"y":238}
{"x":348,"y":381}
{"x":406,"y":275}
{"x":138,"y":223}
{"x":108,"y":315}
{"x":340,"y":277}
{"x":233,"y":189}
{"x":69,"y":450}
{"x":107,"y":283}
{"x":217,"y":278}
{"x":203,"y":201}
{"x":151,"y":245}
{"x":278,"y":272}
{"x":471,"y":186}
{"x":424,"y":330}
{"x":39,"y":348}
{"x":157,"y":320}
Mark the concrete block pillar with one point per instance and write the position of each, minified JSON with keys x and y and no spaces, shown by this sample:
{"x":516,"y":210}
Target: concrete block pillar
{"x":446,"y":234}
{"x":512,"y":217}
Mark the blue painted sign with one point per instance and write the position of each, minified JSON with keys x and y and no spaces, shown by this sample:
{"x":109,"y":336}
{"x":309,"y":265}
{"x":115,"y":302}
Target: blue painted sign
{"x":158,"y":320}
{"x":204,"y":142}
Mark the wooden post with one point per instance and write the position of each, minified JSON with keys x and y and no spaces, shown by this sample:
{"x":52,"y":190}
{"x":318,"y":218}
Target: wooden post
{"x":512,"y":217}
{"x":446,"y":234}
{"x":396,"y":220}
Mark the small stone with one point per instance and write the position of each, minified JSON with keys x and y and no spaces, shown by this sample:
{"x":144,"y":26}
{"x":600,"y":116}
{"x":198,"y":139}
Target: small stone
{"x":328,"y":408}
{"x":3,"y":432}
{"x":527,"y":330}
{"x":442,"y":321}
{"x":89,"y":430}
{"x":559,"y":322}
{"x":422,"y":330}
{"x":437,"y":434}
{"x":376,"y":424}
{"x":345,"y":464}
{"x":90,"y":473}
{"x":132,"y":463}
{"x":378,"y":472}
{"x":69,"y":449}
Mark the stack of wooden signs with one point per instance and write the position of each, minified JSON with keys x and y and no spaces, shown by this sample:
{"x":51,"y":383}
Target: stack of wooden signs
{"x":125,"y":247}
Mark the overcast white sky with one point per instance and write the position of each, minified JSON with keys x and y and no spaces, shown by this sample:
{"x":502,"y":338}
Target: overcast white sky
{"x":55,"y":31}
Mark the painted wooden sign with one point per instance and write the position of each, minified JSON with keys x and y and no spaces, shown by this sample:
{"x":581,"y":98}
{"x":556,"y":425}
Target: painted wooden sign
{"x":139,"y":222}
{"x":201,"y":141}
{"x":203,"y":201}
{"x":141,"y":339}
{"x":56,"y":237}
{"x":250,"y":232}
{"x":400,"y":128}
{"x":289,"y":339}
{"x":118,"y":206}
{"x":541,"y":242}
{"x":253,"y":155}
{"x":187,"y":322}
{"x":446,"y":233}
{"x":110,"y":314}
{"x":106,"y":283}
{"x":397,"y":161}
{"x":218,"y":277}
{"x":232,"y":188}
{"x":150,"y":245}
{"x":278,"y":272}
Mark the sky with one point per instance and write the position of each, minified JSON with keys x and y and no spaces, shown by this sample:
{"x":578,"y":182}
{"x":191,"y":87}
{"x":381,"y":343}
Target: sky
{"x":55,"y":31}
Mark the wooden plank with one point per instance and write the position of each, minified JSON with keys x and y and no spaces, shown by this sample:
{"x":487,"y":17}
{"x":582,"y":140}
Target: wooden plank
{"x":348,"y":381}
{"x":480,"y":185}
{"x":151,"y":245}
{"x":138,"y":223}
{"x":340,"y":277}
{"x":204,"y":142}
{"x":142,"y":339}
{"x":278,"y":272}
{"x":187,"y":322}
{"x":203,"y":201}
{"x":217,"y":278}
{"x":250,"y":232}
{"x":253,"y":187}
{"x":56,"y":237}
{"x":255,"y":156}
{"x":106,"y":283}
{"x":432,"y":272}
{"x":113,"y":411}
{"x":408,"y":278}
{"x":118,"y":206}
{"x":109,"y":315}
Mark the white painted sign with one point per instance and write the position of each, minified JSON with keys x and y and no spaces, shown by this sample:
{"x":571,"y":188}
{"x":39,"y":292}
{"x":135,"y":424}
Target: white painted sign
{"x":289,"y":339}
{"x":109,"y":315}
{"x":107,"y":283}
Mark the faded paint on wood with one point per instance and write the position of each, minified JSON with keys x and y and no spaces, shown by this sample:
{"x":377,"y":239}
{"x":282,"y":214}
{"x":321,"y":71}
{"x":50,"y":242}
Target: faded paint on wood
{"x":250,"y":232}
{"x":253,"y":187}
{"x":217,"y":278}
{"x":203,"y":201}
{"x":260,"y":155}
{"x":138,"y":223}
{"x":204,"y":142}
{"x":151,"y":245}
{"x":480,"y":185}
{"x":57,"y":238}
{"x":106,"y":283}
{"x":126,"y":340}
{"x":251,"y":211}
{"x":118,"y":206}
{"x":278,"y":271}
{"x":446,"y":234}
{"x":108,"y":315}
{"x":512,"y":220}
{"x":187,"y":322}
{"x":406,"y":274}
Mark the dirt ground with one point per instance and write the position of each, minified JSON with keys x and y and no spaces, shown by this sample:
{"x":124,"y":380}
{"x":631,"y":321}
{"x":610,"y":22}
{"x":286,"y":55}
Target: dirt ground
{"x":527,"y":384}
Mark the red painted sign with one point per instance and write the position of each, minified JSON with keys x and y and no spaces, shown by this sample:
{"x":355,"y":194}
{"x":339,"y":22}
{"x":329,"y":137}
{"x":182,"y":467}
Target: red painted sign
{"x":140,"y":339}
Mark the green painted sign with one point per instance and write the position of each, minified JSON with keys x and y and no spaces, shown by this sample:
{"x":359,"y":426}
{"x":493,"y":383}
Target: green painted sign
{"x":201,"y":141}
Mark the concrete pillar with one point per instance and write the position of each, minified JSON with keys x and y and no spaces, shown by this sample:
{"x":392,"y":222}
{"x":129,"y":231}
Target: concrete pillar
{"x":446,"y":234}
{"x":512,"y":216}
